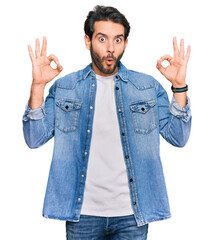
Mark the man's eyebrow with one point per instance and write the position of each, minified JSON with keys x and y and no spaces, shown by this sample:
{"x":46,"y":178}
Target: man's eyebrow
{"x":103,"y":34}
{"x":120,"y":35}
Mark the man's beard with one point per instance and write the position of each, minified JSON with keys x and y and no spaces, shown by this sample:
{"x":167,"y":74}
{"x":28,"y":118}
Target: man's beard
{"x":98,"y":61}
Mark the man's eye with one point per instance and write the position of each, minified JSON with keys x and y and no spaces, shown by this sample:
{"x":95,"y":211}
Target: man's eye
{"x":118,"y":40}
{"x":102,"y":39}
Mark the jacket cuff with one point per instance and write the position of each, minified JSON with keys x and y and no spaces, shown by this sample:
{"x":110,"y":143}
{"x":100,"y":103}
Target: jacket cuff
{"x":177,"y":111}
{"x":34,"y":114}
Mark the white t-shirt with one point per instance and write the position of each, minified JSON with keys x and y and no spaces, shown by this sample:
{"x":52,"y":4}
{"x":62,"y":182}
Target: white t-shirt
{"x":106,"y":188}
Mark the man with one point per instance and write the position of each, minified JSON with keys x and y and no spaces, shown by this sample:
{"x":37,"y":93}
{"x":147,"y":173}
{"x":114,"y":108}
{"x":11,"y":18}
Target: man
{"x":106,"y":177}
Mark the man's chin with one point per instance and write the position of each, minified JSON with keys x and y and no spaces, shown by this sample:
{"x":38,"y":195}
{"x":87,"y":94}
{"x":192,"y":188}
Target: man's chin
{"x":109,"y":69}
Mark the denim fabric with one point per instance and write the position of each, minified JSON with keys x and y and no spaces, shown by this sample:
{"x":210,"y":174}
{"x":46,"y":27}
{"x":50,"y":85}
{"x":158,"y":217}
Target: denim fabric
{"x":143,"y":115}
{"x":103,"y":228}
{"x":182,"y":113}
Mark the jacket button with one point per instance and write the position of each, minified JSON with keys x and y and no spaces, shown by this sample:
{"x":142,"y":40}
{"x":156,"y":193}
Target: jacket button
{"x":134,"y":203}
{"x":123,"y":134}
{"x":127,"y":156}
{"x":131,"y":180}
{"x":117,"y":88}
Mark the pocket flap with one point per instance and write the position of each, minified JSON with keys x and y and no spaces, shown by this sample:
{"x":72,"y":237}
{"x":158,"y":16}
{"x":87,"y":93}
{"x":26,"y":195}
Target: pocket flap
{"x":68,"y":105}
{"x":142,"y":106}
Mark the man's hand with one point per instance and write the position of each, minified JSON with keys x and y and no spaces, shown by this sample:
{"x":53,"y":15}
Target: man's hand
{"x":176,"y":71}
{"x":42,"y":70}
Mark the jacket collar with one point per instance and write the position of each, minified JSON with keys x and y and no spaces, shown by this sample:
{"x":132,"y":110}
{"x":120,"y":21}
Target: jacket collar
{"x":122,"y":72}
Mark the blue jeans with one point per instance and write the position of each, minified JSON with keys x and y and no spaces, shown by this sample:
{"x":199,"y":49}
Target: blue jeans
{"x":101,"y":228}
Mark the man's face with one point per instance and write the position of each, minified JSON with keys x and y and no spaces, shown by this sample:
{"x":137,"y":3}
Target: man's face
{"x":106,"y":47}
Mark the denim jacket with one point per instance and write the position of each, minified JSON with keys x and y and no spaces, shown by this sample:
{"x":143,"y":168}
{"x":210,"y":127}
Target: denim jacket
{"x":143,"y":112}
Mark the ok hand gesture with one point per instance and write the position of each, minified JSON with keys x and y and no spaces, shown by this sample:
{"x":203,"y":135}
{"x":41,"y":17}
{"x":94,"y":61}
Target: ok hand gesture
{"x":176,"y":71}
{"x":42,"y":70}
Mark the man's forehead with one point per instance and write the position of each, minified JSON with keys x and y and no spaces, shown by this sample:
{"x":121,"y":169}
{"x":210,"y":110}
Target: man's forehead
{"x":108,"y":28}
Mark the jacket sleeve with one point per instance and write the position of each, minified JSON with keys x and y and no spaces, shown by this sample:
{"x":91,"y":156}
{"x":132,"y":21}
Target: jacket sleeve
{"x":38,"y":124}
{"x":174,"y":122}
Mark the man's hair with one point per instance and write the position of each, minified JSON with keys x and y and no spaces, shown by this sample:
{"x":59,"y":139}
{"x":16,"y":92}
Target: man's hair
{"x":102,"y":13}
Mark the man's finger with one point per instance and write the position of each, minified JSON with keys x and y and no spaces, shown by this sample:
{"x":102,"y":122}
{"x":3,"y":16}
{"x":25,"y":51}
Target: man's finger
{"x":175,"y":47}
{"x":166,"y":57}
{"x":37,"y":50}
{"x":53,"y":58}
{"x":160,"y":67}
{"x":188,"y":54}
{"x":44,"y":47}
{"x":182,"y":48}
{"x":59,"y":67}
{"x":32,"y":57}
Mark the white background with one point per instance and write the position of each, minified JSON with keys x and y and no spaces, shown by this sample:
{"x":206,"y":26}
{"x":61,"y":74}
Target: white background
{"x":188,"y":171}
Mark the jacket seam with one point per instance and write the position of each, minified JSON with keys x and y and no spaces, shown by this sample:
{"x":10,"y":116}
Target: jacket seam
{"x":69,"y":88}
{"x":141,"y":88}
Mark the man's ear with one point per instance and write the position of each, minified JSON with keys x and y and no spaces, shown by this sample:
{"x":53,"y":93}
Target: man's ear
{"x":126,"y":42}
{"x":87,"y":41}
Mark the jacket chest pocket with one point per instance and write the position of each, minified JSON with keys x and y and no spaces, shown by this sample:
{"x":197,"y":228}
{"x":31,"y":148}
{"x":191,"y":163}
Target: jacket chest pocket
{"x":143,"y":116}
{"x":67,"y":114}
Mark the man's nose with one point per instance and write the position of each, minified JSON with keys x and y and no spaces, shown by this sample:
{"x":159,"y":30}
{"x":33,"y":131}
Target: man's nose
{"x":110,"y":46}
